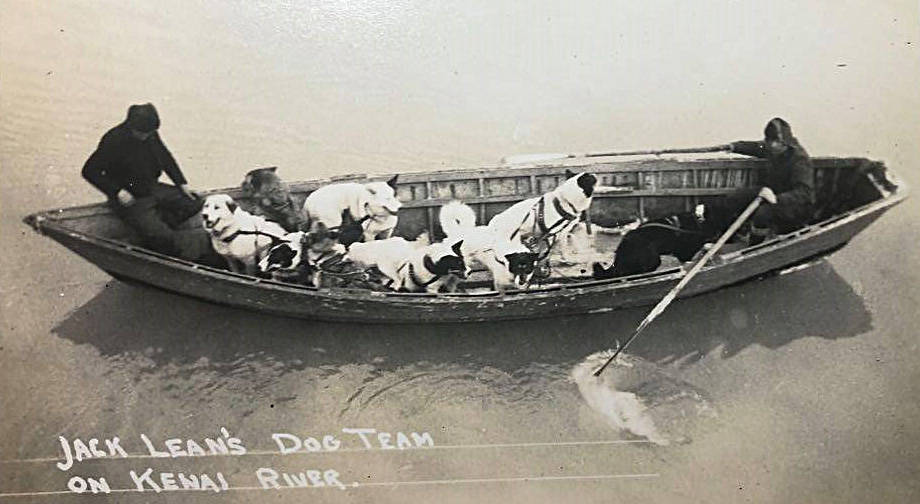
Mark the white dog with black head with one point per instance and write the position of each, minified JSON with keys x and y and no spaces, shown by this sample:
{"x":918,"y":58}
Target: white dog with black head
{"x":509,"y":261}
{"x":413,"y":267}
{"x":300,"y":257}
{"x":237,"y":235}
{"x":539,"y":221}
{"x":373,"y":206}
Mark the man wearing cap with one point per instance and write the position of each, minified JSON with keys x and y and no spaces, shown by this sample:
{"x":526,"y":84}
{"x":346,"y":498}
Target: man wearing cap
{"x":127,"y":165}
{"x":790,"y":176}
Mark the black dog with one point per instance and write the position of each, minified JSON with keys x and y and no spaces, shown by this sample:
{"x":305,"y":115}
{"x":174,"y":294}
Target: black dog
{"x":681,"y":235}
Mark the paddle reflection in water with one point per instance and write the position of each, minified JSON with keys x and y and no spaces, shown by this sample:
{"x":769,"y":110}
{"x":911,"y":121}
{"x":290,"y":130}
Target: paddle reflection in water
{"x":641,"y":398}
{"x":206,"y":362}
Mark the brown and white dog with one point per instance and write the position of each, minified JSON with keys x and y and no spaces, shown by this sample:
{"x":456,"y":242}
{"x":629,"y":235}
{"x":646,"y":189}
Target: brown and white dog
{"x":237,"y":235}
{"x":413,"y":267}
{"x":538,"y":221}
{"x":373,"y":206}
{"x":272,"y":197}
{"x":509,"y":261}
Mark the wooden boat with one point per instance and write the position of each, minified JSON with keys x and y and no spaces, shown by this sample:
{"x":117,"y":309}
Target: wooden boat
{"x":852,"y":193}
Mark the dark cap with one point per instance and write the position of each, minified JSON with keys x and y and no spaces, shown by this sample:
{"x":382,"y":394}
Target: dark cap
{"x":143,"y":118}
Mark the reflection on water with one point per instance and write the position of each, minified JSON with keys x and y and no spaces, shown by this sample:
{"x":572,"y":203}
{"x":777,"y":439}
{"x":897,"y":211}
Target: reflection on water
{"x":208,"y":356}
{"x":641,"y":397}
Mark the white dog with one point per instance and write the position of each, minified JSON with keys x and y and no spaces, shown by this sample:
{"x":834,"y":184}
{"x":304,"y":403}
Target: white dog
{"x":240,"y":237}
{"x":509,"y":261}
{"x":539,"y":221}
{"x":373,"y":206}
{"x":410,"y":267}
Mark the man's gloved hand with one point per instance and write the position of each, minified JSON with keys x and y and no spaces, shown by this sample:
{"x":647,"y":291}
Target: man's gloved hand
{"x":188,"y":192}
{"x":768,"y":195}
{"x":125,"y":198}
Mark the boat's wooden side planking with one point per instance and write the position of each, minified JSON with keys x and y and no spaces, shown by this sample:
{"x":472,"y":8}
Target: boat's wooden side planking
{"x":89,"y":230}
{"x":656,"y":188}
{"x":591,"y":297}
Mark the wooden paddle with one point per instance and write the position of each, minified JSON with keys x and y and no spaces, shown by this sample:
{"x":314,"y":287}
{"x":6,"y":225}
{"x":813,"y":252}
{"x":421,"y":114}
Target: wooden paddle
{"x":765,"y":194}
{"x":535,"y":158}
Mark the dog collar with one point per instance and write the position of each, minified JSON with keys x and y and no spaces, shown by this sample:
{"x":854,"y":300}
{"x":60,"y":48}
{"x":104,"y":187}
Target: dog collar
{"x":368,"y":216}
{"x":235,"y":234}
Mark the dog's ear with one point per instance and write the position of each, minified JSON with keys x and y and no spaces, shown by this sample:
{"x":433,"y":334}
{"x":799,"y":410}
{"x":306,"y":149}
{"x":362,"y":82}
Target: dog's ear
{"x":272,"y":169}
{"x":253,"y":182}
{"x":569,"y":174}
{"x":600,"y":271}
{"x":587,"y":182}
{"x":456,"y":248}
{"x":321,"y":232}
{"x":232,"y":206}
{"x":392,"y":182}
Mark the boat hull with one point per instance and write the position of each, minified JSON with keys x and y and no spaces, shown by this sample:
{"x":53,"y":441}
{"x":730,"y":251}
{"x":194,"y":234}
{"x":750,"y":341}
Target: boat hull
{"x":223,"y":287}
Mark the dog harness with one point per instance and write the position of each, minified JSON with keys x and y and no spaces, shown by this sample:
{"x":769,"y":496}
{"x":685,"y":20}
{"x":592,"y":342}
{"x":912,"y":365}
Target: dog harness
{"x":541,"y":217}
{"x":548,"y":233}
{"x":328,"y":261}
{"x":275,"y":240}
{"x":235,"y":234}
{"x":429,"y":264}
{"x":359,"y":222}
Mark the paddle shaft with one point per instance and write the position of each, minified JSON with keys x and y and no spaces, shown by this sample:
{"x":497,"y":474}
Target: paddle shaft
{"x":691,"y":150}
{"x":542,"y":157}
{"x":666,"y":300}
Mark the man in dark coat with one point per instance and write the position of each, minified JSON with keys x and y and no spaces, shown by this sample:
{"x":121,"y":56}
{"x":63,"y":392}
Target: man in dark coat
{"x":126,"y":167}
{"x":790,"y":176}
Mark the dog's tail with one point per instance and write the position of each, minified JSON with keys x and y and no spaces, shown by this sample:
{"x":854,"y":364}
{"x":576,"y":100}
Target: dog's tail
{"x":456,"y":217}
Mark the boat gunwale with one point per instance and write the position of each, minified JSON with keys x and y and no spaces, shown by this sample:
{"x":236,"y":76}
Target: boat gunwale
{"x":521,"y":170}
{"x":44,"y":220}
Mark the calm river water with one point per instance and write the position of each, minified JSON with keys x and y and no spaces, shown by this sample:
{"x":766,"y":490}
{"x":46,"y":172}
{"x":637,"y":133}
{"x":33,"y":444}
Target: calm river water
{"x":798,"y":388}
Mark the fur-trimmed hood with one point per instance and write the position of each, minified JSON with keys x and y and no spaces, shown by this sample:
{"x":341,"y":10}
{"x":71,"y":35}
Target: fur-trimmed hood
{"x":778,"y":129}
